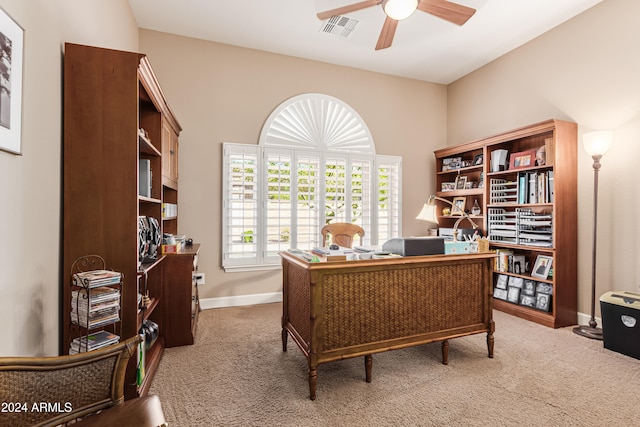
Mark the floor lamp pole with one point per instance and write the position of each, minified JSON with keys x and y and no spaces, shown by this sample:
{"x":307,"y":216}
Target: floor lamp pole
{"x":592,"y":331}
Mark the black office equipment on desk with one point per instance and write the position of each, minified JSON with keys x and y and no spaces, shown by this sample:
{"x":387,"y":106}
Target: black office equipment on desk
{"x":414,"y":246}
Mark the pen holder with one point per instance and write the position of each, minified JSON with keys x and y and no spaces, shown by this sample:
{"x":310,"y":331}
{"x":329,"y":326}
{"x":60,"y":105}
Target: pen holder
{"x":483,"y":245}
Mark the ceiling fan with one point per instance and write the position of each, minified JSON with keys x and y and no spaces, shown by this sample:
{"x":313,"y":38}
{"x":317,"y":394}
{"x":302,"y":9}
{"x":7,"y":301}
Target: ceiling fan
{"x":397,"y":10}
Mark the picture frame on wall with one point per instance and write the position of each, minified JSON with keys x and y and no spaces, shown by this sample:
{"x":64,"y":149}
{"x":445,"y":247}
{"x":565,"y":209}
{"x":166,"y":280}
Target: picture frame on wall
{"x":11,"y":63}
{"x":542,"y":266}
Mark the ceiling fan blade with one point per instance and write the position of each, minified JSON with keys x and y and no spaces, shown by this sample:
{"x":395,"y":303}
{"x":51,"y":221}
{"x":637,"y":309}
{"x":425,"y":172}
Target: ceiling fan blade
{"x":449,"y":11}
{"x":387,"y":33}
{"x":347,"y":9}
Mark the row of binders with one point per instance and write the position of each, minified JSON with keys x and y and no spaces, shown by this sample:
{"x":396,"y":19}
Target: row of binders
{"x":529,"y":188}
{"x":535,"y":187}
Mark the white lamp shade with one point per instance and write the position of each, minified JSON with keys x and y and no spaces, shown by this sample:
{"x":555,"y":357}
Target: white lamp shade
{"x":428,"y":213}
{"x":597,"y":143}
{"x":399,"y":9}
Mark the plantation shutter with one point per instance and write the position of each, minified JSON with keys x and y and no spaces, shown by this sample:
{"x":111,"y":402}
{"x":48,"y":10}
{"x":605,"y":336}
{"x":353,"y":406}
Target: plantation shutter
{"x":306,"y":230}
{"x":388,"y":197}
{"x":240,"y":205}
{"x":278,"y":178}
{"x":360,"y":196}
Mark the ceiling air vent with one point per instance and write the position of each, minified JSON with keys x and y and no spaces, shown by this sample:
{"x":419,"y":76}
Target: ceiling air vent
{"x":339,"y":25}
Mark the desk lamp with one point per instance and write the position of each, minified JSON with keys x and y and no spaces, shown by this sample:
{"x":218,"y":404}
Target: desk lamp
{"x":429,"y":214}
{"x":595,"y":144}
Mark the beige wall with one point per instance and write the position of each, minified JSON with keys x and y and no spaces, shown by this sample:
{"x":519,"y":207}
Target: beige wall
{"x":30,"y":183}
{"x":586,"y":70}
{"x":222,"y":93}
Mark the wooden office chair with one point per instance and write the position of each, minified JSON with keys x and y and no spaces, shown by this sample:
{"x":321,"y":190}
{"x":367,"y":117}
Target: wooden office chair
{"x":342,"y":233}
{"x":81,"y":385}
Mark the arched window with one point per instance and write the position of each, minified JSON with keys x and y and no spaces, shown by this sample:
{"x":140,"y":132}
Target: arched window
{"x":315,"y":164}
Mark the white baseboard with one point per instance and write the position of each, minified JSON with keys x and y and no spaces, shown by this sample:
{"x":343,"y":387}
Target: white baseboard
{"x":235,"y":301}
{"x":583,"y":319}
{"x":240,"y":300}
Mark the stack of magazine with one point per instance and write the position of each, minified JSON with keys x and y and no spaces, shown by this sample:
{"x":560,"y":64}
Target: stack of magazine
{"x":95,"y":278}
{"x":93,"y":342}
{"x":93,"y":308}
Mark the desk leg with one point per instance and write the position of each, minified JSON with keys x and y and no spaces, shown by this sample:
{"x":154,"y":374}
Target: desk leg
{"x":313,"y":381}
{"x":445,"y":352}
{"x":490,"y":339}
{"x":285,"y":336}
{"x":368,"y":364}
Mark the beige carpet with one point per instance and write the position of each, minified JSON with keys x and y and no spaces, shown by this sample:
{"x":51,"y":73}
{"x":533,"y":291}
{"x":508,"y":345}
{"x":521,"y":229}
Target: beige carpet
{"x":237,"y":375}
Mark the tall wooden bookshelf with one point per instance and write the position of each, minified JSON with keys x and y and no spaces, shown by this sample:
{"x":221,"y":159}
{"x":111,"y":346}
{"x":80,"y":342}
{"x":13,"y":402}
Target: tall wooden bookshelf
{"x":500,"y":197}
{"x":109,"y":96}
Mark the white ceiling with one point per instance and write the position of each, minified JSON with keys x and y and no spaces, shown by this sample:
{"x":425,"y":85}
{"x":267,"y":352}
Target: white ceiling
{"x":424,"y":48}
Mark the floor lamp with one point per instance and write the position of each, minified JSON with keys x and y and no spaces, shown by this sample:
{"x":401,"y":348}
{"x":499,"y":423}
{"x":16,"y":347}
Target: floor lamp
{"x":595,"y":144}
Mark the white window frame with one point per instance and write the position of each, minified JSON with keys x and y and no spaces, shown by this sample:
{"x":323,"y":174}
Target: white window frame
{"x":262,"y":260}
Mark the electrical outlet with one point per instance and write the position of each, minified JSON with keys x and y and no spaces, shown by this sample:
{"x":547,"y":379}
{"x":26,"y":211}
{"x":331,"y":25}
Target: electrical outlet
{"x":199,"y":278}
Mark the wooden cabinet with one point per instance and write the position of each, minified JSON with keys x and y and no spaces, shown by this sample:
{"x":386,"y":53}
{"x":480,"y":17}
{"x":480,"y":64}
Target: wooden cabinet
{"x":529,"y":212}
{"x":170,"y":132}
{"x":114,"y":112}
{"x":181,"y":301}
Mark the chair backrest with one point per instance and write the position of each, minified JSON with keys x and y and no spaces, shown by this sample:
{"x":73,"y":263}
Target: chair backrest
{"x":64,"y":388}
{"x":342,"y":233}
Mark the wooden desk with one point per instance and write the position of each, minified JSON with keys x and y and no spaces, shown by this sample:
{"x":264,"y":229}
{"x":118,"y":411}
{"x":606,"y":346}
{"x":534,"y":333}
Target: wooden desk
{"x":343,"y":309}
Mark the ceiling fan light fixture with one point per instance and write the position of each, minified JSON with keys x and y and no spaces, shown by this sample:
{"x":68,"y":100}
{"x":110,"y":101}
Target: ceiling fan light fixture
{"x":399,"y":9}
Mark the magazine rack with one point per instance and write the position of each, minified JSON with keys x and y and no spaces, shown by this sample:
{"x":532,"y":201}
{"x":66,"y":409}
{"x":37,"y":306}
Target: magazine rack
{"x":95,"y":304}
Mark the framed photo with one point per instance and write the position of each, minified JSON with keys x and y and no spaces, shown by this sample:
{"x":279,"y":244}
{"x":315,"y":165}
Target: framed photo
{"x":516,"y":282}
{"x":500,"y":293}
{"x":460,"y":182}
{"x":513,"y":294}
{"x":529,"y":287}
{"x":11,"y":61}
{"x":448,"y":186}
{"x":459,"y":204}
{"x":544,"y":288}
{"x":501,"y":283}
{"x":478,"y":159}
{"x":543,"y":302}
{"x":542,"y":266}
{"x":523,"y":159}
{"x":528,"y":300}
{"x":451,"y":163}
